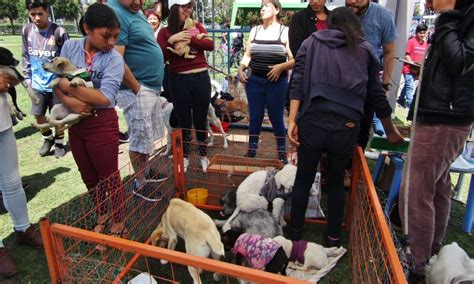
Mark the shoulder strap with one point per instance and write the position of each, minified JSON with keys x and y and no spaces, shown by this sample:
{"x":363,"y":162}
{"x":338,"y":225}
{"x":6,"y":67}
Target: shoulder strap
{"x":282,"y":28}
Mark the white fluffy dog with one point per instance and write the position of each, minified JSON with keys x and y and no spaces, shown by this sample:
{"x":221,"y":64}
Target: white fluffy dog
{"x":250,"y":198}
{"x":313,"y":256}
{"x":451,"y":265}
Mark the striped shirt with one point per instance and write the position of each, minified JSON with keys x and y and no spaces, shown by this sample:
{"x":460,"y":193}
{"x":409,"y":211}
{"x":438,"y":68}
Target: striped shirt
{"x":264,"y":53}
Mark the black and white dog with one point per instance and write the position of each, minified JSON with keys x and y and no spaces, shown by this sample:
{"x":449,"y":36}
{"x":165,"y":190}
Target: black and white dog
{"x":7,"y":65}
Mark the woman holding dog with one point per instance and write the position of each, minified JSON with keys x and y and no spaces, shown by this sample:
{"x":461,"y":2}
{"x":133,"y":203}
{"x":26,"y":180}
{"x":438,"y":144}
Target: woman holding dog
{"x":268,"y":58}
{"x":14,"y":198}
{"x":94,"y":139}
{"x":190,"y":84}
{"x":326,"y":108}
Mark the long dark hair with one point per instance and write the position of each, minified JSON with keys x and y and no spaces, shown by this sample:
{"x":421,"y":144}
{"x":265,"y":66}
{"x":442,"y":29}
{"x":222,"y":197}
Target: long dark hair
{"x":342,"y":19}
{"x":174,"y":25}
{"x":99,"y":16}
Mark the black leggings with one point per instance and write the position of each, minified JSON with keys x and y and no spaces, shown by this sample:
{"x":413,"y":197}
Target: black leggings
{"x":323,"y":133}
{"x":191,"y":94}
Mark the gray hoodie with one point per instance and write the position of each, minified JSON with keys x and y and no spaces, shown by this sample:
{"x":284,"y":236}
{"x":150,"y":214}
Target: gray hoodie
{"x":325,"y":67}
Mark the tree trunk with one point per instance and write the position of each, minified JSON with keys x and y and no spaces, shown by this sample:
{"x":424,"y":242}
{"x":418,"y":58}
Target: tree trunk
{"x":12,"y":25}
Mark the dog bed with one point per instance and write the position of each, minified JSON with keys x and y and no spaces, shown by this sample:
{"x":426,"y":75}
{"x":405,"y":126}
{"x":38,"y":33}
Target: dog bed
{"x":314,"y":275}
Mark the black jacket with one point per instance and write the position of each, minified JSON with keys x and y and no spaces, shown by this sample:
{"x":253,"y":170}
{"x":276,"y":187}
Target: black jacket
{"x":447,"y":86}
{"x":302,"y":25}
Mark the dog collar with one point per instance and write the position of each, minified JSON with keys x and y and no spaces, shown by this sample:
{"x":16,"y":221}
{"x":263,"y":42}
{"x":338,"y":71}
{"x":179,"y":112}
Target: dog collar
{"x":81,"y":73}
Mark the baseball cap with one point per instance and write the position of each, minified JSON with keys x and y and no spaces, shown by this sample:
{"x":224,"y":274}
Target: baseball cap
{"x":179,"y":2}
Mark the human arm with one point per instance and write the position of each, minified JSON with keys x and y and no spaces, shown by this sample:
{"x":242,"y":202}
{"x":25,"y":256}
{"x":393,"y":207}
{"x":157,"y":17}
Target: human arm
{"x":128,"y":78}
{"x":7,"y":81}
{"x":203,"y":43}
{"x":165,"y":40}
{"x":87,"y":95}
{"x":26,"y":64}
{"x":276,"y":70}
{"x":73,"y":103}
{"x":296,"y":34}
{"x":388,"y":61}
{"x":456,"y":53}
{"x":292,"y":125}
{"x":244,"y":63}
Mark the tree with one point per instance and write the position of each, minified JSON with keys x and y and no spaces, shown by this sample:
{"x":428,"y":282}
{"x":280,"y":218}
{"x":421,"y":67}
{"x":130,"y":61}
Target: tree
{"x":9,"y":9}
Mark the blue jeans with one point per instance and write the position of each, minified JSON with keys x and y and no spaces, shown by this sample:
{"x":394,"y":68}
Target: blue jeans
{"x":14,"y":197}
{"x":262,"y":93}
{"x":408,"y":90}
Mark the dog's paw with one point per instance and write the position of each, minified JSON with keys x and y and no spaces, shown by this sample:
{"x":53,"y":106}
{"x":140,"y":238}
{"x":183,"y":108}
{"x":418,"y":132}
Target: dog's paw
{"x":163,"y":262}
{"x":216,"y":277}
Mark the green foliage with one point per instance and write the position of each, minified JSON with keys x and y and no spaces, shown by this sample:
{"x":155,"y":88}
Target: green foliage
{"x":9,"y":9}
{"x":66,"y":10}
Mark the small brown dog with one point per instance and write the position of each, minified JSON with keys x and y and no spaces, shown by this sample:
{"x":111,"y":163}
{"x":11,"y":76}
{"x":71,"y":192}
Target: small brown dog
{"x":181,"y":48}
{"x":237,"y":104}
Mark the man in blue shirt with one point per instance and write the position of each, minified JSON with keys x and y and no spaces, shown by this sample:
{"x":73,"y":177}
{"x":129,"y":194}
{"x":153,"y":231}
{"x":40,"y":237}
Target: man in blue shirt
{"x":139,"y":94}
{"x":380,"y":31}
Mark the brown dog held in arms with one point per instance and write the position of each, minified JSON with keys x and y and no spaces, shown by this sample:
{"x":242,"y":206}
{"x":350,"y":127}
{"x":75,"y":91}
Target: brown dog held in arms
{"x":181,"y":48}
{"x":199,"y":232}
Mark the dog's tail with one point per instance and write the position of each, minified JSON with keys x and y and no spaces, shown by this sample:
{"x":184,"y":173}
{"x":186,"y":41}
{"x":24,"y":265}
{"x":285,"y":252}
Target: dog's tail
{"x":214,"y":241}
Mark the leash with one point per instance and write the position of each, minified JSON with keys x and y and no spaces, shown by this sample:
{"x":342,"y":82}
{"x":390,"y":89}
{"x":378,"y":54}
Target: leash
{"x":219,"y":71}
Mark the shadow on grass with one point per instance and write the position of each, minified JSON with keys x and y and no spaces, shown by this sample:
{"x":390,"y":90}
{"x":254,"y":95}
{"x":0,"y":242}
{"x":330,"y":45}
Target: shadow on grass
{"x":25,"y":132}
{"x":36,"y":182}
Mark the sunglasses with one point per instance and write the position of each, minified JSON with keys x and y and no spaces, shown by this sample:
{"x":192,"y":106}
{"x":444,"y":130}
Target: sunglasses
{"x":188,"y":6}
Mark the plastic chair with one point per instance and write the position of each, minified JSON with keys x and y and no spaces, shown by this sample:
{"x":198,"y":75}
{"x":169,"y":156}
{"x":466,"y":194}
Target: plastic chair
{"x":398,"y":161}
{"x":462,"y":167}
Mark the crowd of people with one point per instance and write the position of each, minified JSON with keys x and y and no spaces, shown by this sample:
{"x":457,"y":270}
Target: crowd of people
{"x":326,"y":64}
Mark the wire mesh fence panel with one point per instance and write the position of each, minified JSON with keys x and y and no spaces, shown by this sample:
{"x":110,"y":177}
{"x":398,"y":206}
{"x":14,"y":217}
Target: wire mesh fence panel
{"x":82,"y":246}
{"x":373,"y":255}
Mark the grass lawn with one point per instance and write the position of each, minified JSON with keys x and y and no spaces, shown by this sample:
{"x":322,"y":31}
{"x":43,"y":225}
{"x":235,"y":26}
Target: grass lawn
{"x":52,"y":182}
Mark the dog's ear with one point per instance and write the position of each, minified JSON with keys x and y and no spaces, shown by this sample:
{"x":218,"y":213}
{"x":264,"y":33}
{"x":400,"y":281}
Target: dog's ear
{"x":156,"y":236}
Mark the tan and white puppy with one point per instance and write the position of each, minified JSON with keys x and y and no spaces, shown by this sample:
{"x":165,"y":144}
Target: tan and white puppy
{"x":60,"y":115}
{"x":182,"y":219}
{"x":181,"y":48}
{"x":305,"y":255}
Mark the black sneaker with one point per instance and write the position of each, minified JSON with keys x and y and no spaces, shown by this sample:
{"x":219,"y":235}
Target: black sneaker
{"x":46,"y":147}
{"x":251,"y":153}
{"x":147,"y":191}
{"x":331,"y":242}
{"x":282,"y":157}
{"x":59,"y":150}
{"x":123,"y":137}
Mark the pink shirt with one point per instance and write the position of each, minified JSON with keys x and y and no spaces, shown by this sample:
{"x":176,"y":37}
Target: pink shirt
{"x":416,"y":51}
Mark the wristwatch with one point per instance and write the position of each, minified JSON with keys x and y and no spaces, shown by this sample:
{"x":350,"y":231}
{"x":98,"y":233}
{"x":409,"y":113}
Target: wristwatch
{"x":387,"y":86}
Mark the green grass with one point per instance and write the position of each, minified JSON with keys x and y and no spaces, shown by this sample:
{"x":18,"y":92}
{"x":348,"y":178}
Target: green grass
{"x":53,"y":182}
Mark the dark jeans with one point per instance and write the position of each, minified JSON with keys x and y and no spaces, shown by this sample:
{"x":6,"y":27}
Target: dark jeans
{"x":262,"y":93}
{"x":191,"y":94}
{"x":94,"y":146}
{"x":323,"y":133}
{"x":365,"y":124}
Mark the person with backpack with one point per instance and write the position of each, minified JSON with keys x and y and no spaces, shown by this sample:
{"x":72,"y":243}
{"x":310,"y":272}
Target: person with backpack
{"x":42,"y":41}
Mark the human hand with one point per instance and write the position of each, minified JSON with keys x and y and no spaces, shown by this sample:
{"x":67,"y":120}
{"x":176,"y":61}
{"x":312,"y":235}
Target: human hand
{"x":242,"y":77}
{"x":64,"y":85}
{"x":181,"y":36}
{"x":293,"y":133}
{"x":275,"y":72}
{"x":7,"y":81}
{"x":81,"y":107}
{"x":394,"y":136}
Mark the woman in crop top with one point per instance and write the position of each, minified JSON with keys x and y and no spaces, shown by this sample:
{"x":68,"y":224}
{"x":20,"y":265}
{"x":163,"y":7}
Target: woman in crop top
{"x":268,"y":58}
{"x":190,"y":85}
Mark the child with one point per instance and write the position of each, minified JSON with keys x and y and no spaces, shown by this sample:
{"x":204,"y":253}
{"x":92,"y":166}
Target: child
{"x":94,"y":140}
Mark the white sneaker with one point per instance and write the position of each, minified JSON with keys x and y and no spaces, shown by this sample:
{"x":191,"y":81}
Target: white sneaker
{"x":372,"y":154}
{"x":204,"y":163}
